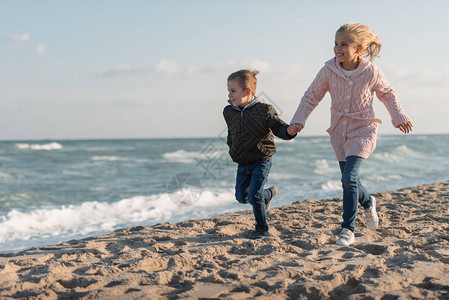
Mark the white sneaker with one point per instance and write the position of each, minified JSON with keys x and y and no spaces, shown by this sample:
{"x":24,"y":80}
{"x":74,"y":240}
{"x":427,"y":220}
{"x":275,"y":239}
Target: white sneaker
{"x":371,"y":218}
{"x":346,"y":237}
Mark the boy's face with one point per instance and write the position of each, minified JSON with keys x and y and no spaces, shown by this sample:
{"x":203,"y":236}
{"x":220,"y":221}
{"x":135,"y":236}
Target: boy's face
{"x":239,"y":96}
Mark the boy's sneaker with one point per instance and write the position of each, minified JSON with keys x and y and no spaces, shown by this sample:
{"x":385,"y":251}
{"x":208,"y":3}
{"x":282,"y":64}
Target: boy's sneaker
{"x":346,"y":237}
{"x":274,"y":192}
{"x":371,"y":218}
{"x":260,"y":234}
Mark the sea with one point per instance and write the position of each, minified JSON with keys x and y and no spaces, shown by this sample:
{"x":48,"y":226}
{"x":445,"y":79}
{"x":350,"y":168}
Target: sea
{"x":53,"y":191}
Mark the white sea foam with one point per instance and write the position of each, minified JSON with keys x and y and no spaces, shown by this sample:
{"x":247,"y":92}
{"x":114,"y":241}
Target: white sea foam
{"x":109,"y":158}
{"x":182,"y":156}
{"x":381,"y":178}
{"x":50,"y":146}
{"x":282,"y":176}
{"x":322,"y":167}
{"x":398,"y":154}
{"x":5,"y":175}
{"x":331,"y":185}
{"x":96,"y":217}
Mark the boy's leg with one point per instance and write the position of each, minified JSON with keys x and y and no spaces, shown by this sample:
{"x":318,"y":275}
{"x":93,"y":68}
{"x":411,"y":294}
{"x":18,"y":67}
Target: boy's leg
{"x":257,"y":193}
{"x":242,"y":184}
{"x":353,"y":191}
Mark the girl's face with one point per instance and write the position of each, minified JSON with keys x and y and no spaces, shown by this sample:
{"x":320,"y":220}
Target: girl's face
{"x":346,"y":51}
{"x":238,"y":95}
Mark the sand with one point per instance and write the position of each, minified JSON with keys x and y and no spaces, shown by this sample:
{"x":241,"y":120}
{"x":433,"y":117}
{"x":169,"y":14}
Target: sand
{"x":406,"y":257}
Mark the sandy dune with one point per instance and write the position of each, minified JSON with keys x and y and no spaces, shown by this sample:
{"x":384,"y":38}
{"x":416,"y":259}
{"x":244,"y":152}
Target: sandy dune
{"x":407,"y":257}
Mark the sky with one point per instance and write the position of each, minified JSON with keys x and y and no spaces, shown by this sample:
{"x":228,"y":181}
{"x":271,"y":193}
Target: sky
{"x":158,"y":69}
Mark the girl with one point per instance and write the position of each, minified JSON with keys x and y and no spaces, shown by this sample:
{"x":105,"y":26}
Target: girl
{"x":351,"y":81}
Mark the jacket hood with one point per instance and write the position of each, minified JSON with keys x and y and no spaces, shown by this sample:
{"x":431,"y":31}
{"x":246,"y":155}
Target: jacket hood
{"x":336,"y":67}
{"x":248,"y":105}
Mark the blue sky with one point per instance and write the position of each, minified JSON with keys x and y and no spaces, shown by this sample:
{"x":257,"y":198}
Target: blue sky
{"x":144,"y":69}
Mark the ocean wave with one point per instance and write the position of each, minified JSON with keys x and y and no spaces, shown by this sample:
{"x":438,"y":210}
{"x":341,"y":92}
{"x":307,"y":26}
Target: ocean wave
{"x":282,"y":176}
{"x":65,"y":222}
{"x":109,"y":158}
{"x":50,"y":146}
{"x":5,"y":175}
{"x":183,"y":156}
{"x":322,"y":167}
{"x":397,"y":154}
{"x":331,"y":185}
{"x":380,"y":178}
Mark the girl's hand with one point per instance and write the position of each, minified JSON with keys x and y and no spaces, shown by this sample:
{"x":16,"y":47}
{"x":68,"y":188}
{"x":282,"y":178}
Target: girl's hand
{"x":294,"y":128}
{"x":405,"y":127}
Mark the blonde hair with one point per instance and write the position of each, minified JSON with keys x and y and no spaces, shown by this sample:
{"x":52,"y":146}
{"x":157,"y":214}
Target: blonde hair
{"x":246,"y":79}
{"x":363,"y":36}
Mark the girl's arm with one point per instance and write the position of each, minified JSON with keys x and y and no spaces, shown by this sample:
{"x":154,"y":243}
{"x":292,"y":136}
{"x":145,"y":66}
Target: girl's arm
{"x":387,"y":95}
{"x":312,"y":97}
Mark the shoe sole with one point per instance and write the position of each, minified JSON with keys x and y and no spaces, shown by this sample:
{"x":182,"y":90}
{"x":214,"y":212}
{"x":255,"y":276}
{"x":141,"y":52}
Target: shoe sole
{"x":376,"y":218}
{"x":344,"y":244}
{"x":274,"y":192}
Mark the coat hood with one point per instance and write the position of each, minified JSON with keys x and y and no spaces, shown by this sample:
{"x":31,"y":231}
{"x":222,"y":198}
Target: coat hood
{"x":250,"y":103}
{"x":336,"y":67}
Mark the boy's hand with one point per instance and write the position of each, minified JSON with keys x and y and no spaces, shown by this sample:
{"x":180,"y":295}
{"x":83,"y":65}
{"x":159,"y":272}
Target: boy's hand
{"x":405,"y":127}
{"x":294,"y":128}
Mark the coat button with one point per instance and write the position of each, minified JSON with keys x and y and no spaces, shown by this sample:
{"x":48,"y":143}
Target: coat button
{"x":348,"y":97}
{"x":350,"y":82}
{"x":346,"y":110}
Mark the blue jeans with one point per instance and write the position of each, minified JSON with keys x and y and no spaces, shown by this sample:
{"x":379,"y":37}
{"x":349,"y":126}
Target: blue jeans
{"x":249,"y":188}
{"x":353,"y":191}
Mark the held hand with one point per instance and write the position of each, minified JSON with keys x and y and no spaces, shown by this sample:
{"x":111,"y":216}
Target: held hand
{"x":294,"y":128}
{"x":405,"y":127}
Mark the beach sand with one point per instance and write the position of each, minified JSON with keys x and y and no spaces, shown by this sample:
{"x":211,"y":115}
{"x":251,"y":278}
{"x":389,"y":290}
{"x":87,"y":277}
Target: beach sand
{"x":406,"y":257}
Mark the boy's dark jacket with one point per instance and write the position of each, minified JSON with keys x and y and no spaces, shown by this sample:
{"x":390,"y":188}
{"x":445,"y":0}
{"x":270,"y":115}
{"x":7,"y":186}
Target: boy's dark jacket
{"x":251,"y":129}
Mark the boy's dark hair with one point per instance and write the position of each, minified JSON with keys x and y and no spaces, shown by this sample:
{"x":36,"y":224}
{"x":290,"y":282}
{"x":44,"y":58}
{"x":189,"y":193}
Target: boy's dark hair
{"x":246,"y":78}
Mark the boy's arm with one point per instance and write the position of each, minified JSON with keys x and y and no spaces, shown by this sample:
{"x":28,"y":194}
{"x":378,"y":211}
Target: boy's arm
{"x":277,"y":126}
{"x":228,"y":138}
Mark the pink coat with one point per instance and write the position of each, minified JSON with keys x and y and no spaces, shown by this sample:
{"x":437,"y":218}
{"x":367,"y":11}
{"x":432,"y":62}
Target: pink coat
{"x":353,"y":126}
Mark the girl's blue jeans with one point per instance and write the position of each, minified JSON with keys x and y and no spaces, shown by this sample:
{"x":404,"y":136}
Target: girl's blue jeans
{"x":249,"y":188}
{"x":353,"y":191}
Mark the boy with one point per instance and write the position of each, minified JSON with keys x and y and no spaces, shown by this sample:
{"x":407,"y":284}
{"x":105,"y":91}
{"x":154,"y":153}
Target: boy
{"x":251,"y":125}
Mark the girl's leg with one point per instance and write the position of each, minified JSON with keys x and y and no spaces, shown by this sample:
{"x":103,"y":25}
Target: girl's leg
{"x":353,"y":191}
{"x":257,"y":193}
{"x":364,"y":195}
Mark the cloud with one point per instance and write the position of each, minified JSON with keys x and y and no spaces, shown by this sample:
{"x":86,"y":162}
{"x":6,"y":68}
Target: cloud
{"x":233,"y":65}
{"x":41,"y":49}
{"x":171,"y":68}
{"x":164,"y":66}
{"x":18,"y":37}
{"x":258,"y":64}
{"x":418,"y":77}
{"x":398,"y":71}
{"x":126,"y":70}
